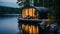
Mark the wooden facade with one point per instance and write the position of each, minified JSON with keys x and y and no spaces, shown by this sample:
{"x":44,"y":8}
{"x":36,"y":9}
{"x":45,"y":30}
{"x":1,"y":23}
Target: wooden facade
{"x":29,"y":12}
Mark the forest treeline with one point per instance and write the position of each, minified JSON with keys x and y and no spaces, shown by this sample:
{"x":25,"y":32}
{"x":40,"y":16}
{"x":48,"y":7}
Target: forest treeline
{"x":8,"y":10}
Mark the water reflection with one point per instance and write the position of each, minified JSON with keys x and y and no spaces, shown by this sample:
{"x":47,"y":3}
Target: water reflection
{"x":9,"y":25}
{"x":36,"y":29}
{"x":28,"y":29}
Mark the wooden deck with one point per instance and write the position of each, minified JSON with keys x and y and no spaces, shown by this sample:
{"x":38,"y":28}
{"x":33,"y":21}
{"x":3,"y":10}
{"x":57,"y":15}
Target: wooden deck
{"x":32,"y":20}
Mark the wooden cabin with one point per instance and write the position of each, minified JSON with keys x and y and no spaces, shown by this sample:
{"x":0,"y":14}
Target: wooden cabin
{"x":35,"y":12}
{"x":29,"y":12}
{"x":32,"y":13}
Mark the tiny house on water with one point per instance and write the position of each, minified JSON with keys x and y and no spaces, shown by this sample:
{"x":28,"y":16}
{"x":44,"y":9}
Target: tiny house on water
{"x":31,"y":18}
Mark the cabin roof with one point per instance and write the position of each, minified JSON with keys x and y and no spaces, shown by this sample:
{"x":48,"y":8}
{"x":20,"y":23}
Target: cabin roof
{"x":42,"y":9}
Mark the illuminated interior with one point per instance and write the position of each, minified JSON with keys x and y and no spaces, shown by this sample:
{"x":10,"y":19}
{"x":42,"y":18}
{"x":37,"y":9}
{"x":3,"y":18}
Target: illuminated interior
{"x":29,"y":12}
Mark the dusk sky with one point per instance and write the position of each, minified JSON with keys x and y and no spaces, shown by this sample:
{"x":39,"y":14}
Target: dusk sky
{"x":9,"y":3}
{"x":8,"y":0}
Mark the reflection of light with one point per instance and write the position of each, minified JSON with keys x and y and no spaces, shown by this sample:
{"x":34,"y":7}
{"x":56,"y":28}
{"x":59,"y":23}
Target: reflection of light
{"x":31,"y":29}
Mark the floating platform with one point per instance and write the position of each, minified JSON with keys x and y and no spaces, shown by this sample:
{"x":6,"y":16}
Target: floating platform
{"x":33,"y":21}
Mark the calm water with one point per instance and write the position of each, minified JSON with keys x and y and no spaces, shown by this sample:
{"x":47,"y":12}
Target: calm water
{"x":9,"y":25}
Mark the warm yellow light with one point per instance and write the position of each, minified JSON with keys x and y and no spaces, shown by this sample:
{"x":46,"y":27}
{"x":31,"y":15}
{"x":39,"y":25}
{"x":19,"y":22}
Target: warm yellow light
{"x":30,"y":12}
{"x":31,"y":29}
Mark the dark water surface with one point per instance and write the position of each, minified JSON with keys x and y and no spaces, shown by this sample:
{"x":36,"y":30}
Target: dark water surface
{"x":9,"y":24}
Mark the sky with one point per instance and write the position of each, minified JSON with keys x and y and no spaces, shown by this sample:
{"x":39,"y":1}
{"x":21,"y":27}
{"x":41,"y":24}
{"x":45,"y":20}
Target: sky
{"x":9,"y":3}
{"x":8,"y":0}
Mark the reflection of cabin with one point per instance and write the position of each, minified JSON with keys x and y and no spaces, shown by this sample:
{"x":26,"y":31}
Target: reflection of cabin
{"x":33,"y":13}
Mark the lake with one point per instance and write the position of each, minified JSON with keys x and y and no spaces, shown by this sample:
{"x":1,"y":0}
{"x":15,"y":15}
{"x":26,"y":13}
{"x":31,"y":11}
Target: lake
{"x":9,"y":24}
